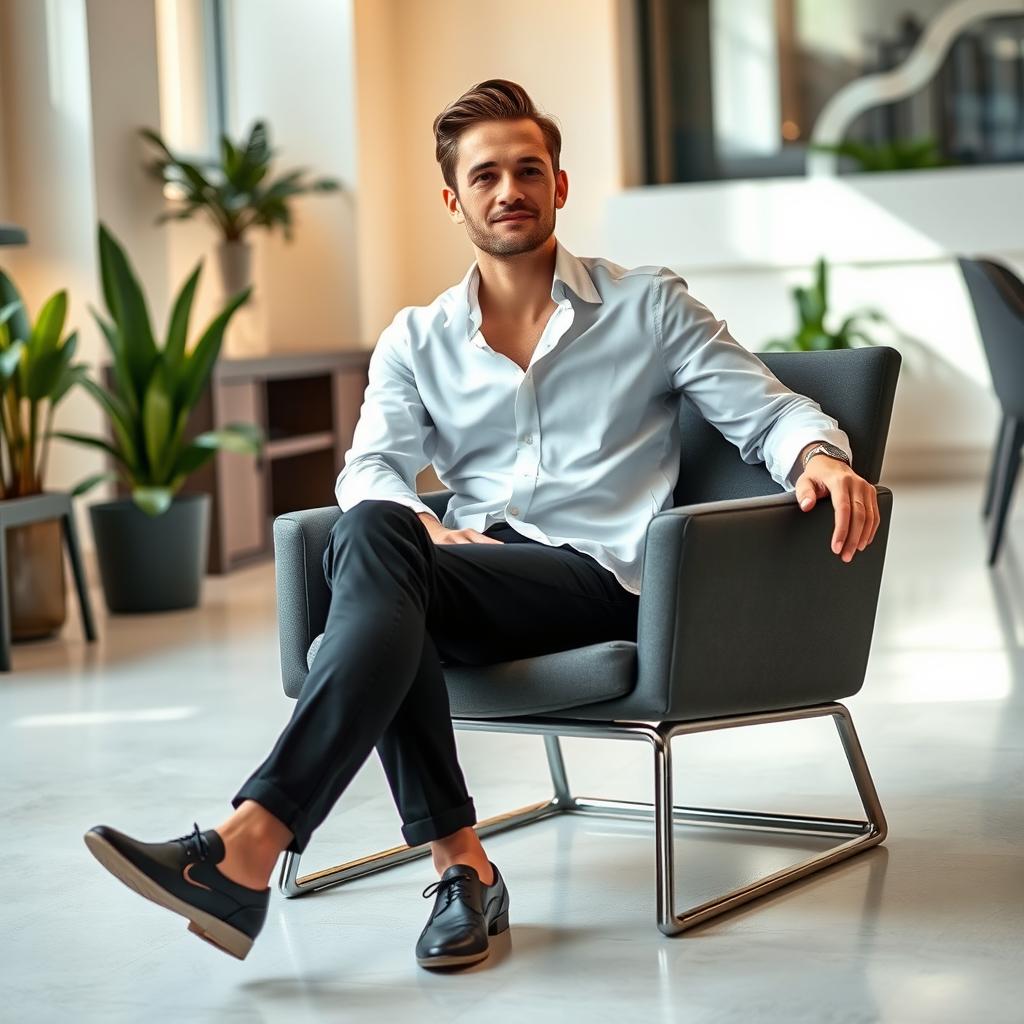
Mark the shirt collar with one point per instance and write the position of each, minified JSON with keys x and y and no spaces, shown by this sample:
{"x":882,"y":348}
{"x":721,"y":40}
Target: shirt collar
{"x":570,"y":276}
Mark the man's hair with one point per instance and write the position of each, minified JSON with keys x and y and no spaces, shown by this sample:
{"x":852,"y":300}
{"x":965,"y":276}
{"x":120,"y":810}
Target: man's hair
{"x":497,"y":99}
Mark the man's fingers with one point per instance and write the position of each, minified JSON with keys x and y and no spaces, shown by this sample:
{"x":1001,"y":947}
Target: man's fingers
{"x":858,"y":520}
{"x":841,"y":503}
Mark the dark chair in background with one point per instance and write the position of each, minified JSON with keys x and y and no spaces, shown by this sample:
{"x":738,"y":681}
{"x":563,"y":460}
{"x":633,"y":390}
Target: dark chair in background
{"x":746,"y":617}
{"x":998,"y":298}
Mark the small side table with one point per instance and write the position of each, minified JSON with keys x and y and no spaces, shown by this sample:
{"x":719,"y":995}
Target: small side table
{"x":35,"y":509}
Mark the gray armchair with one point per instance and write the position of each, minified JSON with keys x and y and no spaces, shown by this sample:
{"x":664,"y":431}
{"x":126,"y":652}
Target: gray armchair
{"x":735,"y":558}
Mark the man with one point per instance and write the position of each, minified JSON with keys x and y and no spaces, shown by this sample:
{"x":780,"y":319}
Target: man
{"x":544,"y":390}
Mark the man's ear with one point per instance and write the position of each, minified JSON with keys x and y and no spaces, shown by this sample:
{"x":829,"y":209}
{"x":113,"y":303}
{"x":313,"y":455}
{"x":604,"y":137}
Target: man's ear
{"x":452,"y":205}
{"x":561,"y":189}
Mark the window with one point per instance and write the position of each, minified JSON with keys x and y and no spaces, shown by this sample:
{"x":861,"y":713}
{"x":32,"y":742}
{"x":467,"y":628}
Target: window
{"x":189,"y":54}
{"x":732,"y":88}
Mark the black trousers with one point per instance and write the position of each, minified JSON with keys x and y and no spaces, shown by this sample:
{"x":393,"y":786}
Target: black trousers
{"x":400,"y":606}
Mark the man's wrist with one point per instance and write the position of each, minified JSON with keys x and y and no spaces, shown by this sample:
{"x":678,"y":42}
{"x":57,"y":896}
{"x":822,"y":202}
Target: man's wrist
{"x":825,"y":448}
{"x":430,"y":521}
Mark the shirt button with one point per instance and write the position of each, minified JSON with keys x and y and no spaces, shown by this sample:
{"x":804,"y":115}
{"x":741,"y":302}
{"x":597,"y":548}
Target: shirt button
{"x":528,"y":439}
{"x":513,"y":511}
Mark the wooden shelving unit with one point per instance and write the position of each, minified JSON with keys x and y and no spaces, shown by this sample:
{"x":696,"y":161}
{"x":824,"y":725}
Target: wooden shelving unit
{"x":307,"y":406}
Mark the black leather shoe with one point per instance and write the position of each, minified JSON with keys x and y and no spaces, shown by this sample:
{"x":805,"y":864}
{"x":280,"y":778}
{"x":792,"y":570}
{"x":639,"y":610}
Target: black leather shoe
{"x":465,"y":913}
{"x":180,"y":875}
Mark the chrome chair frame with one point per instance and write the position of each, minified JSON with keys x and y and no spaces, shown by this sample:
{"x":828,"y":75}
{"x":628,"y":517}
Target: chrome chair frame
{"x":860,"y":835}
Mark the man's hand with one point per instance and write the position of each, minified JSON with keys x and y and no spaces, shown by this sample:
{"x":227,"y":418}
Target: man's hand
{"x":439,"y":535}
{"x":854,"y":500}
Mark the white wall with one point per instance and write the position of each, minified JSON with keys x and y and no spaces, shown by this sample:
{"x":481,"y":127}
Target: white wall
{"x":566,"y":60}
{"x":891,"y":242}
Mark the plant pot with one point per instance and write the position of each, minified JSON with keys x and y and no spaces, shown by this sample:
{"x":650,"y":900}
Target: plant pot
{"x":35,"y":579}
{"x":151,"y":563}
{"x":246,"y":333}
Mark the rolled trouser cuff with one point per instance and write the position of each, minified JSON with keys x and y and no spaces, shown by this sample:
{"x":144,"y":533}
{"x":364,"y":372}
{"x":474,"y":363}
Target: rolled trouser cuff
{"x":280,"y":806}
{"x":437,"y":826}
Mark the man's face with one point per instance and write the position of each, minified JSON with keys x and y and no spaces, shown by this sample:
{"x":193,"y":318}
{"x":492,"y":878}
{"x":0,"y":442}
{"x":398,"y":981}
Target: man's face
{"x":508,"y":192}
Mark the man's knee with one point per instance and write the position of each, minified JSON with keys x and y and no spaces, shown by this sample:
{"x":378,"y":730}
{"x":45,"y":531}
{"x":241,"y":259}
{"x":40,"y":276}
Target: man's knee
{"x":372,"y":514}
{"x":372,"y":520}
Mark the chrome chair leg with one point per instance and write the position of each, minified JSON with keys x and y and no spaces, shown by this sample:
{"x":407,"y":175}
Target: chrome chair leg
{"x":859,"y":834}
{"x":292,"y":884}
{"x":556,"y":764}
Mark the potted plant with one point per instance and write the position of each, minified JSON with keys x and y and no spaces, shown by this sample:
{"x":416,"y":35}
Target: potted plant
{"x":151,"y":547}
{"x":36,"y":373}
{"x":236,"y":193}
{"x":813,"y":334}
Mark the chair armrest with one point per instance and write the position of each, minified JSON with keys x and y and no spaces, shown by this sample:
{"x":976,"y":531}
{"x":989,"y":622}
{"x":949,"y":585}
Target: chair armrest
{"x":744,"y":607}
{"x":300,"y":539}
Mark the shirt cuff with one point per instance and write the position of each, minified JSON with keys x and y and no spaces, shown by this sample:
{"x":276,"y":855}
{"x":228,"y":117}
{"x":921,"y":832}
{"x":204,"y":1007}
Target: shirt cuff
{"x":402,"y":499}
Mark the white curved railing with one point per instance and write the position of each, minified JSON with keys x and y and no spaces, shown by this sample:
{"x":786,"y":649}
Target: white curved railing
{"x":852,"y":100}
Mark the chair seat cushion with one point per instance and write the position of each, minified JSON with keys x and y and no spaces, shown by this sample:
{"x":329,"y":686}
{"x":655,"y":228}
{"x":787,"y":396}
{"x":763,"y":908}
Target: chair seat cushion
{"x":539,"y":685}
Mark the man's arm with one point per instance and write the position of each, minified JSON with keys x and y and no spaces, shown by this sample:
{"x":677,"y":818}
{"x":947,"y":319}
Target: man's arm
{"x":394,"y":436}
{"x":754,"y":410}
{"x":394,"y":440}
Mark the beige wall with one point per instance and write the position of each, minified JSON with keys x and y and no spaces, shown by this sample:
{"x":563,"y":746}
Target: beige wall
{"x":566,"y":60}
{"x":413,"y":58}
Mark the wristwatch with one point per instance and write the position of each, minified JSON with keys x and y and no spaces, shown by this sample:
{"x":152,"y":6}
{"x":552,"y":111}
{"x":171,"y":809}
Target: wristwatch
{"x":824,"y":448}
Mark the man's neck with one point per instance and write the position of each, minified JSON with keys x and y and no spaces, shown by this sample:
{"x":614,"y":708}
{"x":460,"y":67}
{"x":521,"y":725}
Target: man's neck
{"x":517,"y":287}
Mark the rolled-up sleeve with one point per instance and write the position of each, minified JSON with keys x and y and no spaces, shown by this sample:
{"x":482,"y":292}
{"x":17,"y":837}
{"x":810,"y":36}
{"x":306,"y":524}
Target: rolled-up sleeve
{"x":732,"y":388}
{"x":394,"y":437}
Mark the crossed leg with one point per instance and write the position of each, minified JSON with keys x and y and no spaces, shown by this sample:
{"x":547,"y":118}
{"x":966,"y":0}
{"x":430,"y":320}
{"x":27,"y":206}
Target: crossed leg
{"x":402,"y":606}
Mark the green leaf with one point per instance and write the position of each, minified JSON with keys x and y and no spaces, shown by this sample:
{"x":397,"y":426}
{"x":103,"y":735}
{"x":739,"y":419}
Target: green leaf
{"x":243,"y":438}
{"x":121,"y":422}
{"x":127,"y":307}
{"x":177,"y":331}
{"x":199,"y":364}
{"x":70,"y":378}
{"x":90,"y":441}
{"x":90,"y":482}
{"x":157,"y":409}
{"x":17,"y":323}
{"x":189,"y":460}
{"x":122,"y":376}
{"x":9,"y":360}
{"x":50,"y":323}
{"x":9,"y":310}
{"x":154,"y":501}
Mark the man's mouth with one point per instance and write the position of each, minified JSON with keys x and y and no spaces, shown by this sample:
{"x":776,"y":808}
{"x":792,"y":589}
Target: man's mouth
{"x":515,"y":216}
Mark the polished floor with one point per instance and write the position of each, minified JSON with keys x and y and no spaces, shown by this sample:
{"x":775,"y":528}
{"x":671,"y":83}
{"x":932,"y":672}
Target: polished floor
{"x":155,"y":726}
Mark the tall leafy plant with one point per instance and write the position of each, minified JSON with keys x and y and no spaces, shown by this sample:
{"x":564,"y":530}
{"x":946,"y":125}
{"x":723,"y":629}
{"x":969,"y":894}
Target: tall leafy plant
{"x":156,"y":387}
{"x":36,"y":373}
{"x":813,"y":333}
{"x":237,"y":192}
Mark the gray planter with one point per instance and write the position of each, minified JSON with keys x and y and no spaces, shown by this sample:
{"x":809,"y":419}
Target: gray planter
{"x":151,"y":563}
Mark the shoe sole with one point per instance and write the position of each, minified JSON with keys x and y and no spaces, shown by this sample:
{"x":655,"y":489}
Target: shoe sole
{"x":215,"y":931}
{"x":497,"y":926}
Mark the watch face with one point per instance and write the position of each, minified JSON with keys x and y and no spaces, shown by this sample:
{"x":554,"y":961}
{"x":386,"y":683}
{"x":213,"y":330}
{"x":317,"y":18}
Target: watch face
{"x":831,"y":449}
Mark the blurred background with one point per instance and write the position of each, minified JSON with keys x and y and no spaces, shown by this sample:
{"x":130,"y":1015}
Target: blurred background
{"x":815,"y":169}
{"x":687,"y":133}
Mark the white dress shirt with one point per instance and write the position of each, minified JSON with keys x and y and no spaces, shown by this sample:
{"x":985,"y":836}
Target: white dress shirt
{"x":583,"y":447}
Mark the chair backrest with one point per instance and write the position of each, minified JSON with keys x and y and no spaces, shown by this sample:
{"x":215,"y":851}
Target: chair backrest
{"x":997,"y":295}
{"x":855,"y":386}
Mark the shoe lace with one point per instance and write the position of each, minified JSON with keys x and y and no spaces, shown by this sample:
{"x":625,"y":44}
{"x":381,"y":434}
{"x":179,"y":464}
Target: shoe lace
{"x":453,"y":886}
{"x":195,"y":843}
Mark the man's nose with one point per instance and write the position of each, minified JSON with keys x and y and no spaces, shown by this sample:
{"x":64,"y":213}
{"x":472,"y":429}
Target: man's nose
{"x":510,"y":191}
